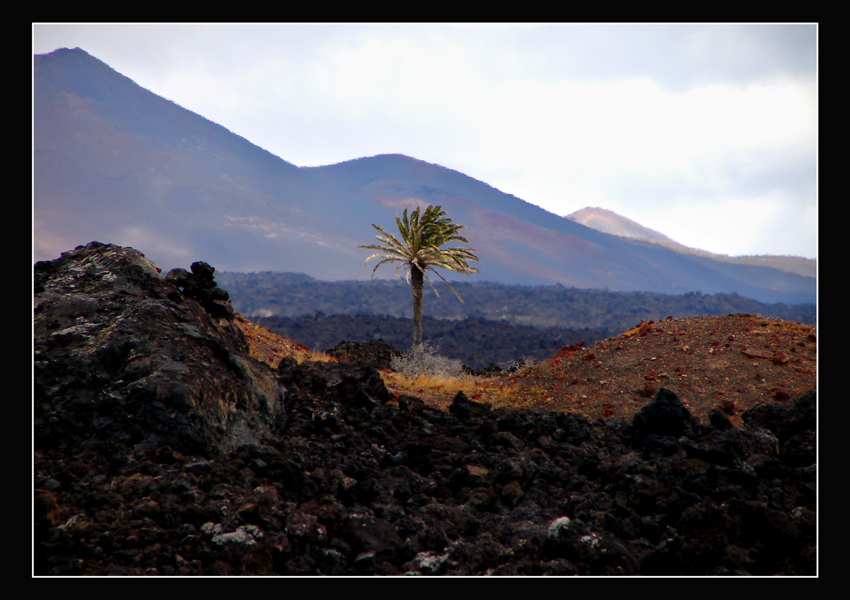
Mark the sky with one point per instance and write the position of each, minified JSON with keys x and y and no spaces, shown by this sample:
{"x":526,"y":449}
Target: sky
{"x":707,"y":133}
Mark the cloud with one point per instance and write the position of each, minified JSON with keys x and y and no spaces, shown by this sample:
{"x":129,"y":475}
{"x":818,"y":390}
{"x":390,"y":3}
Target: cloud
{"x":730,"y":224}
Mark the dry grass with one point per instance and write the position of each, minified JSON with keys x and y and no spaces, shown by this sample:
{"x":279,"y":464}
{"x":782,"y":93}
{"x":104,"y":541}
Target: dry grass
{"x":438,"y":391}
{"x":435,"y":390}
{"x":732,"y":362}
{"x":270,"y":347}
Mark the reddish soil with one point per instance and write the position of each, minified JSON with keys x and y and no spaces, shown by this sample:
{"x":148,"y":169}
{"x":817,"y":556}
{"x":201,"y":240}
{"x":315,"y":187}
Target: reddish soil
{"x":270,"y":347}
{"x":732,"y":362}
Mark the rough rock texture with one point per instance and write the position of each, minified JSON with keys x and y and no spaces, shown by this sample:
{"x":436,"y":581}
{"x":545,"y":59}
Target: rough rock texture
{"x":162,"y":448}
{"x":123,"y":353}
{"x":376,"y":352}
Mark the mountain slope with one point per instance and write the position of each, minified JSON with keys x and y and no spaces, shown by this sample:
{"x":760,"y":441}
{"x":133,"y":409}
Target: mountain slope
{"x":530,"y":245}
{"x":608,"y":221}
{"x":116,"y":163}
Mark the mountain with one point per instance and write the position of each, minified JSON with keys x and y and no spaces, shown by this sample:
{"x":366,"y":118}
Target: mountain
{"x":116,"y":163}
{"x":608,"y":221}
{"x":602,"y":219}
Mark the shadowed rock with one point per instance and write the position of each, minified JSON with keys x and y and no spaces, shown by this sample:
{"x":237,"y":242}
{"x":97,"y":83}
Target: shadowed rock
{"x":162,"y":448}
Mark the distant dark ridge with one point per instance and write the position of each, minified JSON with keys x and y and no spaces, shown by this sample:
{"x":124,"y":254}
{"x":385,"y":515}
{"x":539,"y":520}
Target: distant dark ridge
{"x":268,"y":294}
{"x":474,"y":341}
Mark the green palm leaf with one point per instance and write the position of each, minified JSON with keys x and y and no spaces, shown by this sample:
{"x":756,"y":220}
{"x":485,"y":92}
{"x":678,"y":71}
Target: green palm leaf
{"x":420,"y":249}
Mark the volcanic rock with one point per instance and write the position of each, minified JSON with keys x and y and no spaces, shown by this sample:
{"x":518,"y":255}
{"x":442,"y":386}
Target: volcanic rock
{"x":122,"y":353}
{"x":163,"y":448}
{"x":377,"y":353}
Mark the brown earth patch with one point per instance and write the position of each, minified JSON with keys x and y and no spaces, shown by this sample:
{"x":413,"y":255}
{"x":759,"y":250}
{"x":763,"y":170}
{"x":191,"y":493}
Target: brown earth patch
{"x":270,"y":347}
{"x":729,"y":362}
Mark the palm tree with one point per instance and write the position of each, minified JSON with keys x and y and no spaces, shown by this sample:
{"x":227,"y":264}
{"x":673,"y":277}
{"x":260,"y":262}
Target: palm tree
{"x":420,"y":250}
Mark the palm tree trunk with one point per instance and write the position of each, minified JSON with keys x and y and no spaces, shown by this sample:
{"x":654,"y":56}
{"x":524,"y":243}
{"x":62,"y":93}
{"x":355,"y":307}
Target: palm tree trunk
{"x":416,"y":283}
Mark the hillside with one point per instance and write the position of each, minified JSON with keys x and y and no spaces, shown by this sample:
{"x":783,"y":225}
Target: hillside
{"x":495,"y":322}
{"x":610,"y":222}
{"x":115,"y":162}
{"x":731,"y":362}
{"x":171,"y":437}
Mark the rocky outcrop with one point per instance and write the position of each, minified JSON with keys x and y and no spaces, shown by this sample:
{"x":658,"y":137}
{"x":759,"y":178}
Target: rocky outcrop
{"x":200,"y":285}
{"x":161,"y":448}
{"x":376,"y":352}
{"x":122,"y":353}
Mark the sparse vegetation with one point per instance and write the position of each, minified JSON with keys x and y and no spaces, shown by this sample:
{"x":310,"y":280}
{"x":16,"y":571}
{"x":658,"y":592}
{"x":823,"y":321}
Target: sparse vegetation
{"x":271,"y":348}
{"x":425,"y":360}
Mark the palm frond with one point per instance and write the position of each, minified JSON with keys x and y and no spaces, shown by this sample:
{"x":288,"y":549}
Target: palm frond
{"x":420,"y":245}
{"x":421,"y":248}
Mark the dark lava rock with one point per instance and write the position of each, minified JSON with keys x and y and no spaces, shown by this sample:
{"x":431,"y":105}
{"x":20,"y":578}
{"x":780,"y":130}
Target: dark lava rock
{"x":200,"y":285}
{"x":377,"y":353}
{"x":665,"y":416}
{"x":122,"y":354}
{"x":162,"y":448}
{"x":464,"y":408}
{"x":784,"y":419}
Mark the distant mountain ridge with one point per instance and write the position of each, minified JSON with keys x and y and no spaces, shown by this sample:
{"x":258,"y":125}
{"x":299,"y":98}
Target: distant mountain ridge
{"x":116,"y":163}
{"x":608,"y":221}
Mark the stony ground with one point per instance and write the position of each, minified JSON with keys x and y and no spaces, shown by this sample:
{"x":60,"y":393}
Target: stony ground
{"x":730,"y":362}
{"x":173,"y":437}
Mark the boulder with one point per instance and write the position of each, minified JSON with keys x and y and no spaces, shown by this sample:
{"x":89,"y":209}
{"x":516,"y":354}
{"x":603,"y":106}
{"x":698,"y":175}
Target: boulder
{"x":123,"y":353}
{"x":200,"y":286}
{"x":377,"y":353}
{"x":784,"y":419}
{"x":664,"y":420}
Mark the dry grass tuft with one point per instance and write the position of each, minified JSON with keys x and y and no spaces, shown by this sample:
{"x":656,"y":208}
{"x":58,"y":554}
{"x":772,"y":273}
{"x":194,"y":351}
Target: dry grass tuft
{"x":732,"y":362}
{"x":270,"y":347}
{"x":439,"y":390}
